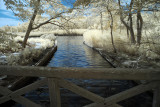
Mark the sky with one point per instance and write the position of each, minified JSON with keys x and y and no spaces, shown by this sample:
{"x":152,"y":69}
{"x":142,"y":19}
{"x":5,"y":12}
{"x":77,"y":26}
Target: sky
{"x":7,"y":17}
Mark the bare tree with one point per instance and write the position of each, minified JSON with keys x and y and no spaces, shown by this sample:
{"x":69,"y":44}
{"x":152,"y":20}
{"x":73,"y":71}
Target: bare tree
{"x":130,"y":25}
{"x":139,"y":21}
{"x":111,"y":24}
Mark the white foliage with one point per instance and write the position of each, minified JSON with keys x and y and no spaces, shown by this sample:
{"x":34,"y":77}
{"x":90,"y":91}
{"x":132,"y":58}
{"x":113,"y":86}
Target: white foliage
{"x":49,"y":36}
{"x":29,"y":53}
{"x":97,"y":38}
{"x":24,"y":57}
{"x":7,"y":42}
{"x":102,"y":40}
{"x":94,"y":37}
{"x":10,"y":44}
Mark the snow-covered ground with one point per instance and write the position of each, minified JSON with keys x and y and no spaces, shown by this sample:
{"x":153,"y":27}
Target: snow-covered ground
{"x":20,"y":56}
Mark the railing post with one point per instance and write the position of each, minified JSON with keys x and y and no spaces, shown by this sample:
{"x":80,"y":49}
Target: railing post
{"x":156,"y":97}
{"x":54,"y":92}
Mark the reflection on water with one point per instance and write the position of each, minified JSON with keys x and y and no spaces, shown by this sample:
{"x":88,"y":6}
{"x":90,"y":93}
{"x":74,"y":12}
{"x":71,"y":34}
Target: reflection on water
{"x":73,"y":53}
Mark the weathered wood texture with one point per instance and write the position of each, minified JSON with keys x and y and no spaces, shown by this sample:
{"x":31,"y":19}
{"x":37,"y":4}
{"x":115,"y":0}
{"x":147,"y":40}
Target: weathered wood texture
{"x":102,"y":105}
{"x":48,"y":56}
{"x":55,"y":80}
{"x":82,"y":73}
{"x":54,"y":92}
{"x":19,"y":99}
{"x":80,"y":91}
{"x":128,"y":93}
{"x":23,"y":81}
{"x":156,"y":98}
{"x":16,"y":95}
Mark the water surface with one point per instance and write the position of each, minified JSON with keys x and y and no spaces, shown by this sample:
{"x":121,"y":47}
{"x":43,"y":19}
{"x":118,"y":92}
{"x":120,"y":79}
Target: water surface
{"x":72,"y":52}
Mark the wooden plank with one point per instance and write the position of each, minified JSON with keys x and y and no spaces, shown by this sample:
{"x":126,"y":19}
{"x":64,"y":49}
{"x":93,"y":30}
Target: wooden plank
{"x":21,"y":91}
{"x":30,"y":87}
{"x":54,"y":92}
{"x":128,"y":93}
{"x":102,"y":105}
{"x":25,"y":102}
{"x":47,"y":56}
{"x":4,"y":91}
{"x":23,"y":80}
{"x":19,"y":99}
{"x":95,"y":105}
{"x":156,"y":97}
{"x":83,"y":73}
{"x":80,"y":91}
{"x":115,"y":105}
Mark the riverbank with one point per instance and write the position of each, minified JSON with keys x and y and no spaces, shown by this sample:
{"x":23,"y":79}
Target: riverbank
{"x":57,"y":32}
{"x":12,"y":52}
{"x":121,"y":60}
{"x":37,"y":53}
{"x":127,"y":56}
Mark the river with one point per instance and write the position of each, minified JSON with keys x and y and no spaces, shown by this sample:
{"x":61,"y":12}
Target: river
{"x":72,"y":52}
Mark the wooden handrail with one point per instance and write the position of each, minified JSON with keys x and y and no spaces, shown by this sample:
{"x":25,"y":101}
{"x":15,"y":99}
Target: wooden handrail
{"x":82,"y":73}
{"x":56,"y":79}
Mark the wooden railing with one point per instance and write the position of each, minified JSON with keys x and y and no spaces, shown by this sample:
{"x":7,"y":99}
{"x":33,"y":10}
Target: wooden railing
{"x":55,"y":79}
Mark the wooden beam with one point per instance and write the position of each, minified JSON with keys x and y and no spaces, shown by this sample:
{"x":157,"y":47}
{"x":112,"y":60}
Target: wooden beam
{"x":19,"y":99}
{"x":54,"y":92}
{"x":4,"y":91}
{"x":115,"y":105}
{"x":82,"y":73}
{"x":102,"y":105}
{"x":17,"y":93}
{"x":26,"y":102}
{"x":80,"y":91}
{"x":95,"y":105}
{"x":156,"y":97}
{"x":28,"y":88}
{"x":128,"y":93}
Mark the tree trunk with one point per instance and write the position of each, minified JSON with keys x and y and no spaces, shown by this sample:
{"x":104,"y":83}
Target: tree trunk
{"x":31,"y":24}
{"x":111,"y":27}
{"x":139,"y":27}
{"x":130,"y":26}
{"x":127,"y":31}
{"x":133,"y":41}
{"x":101,"y":21}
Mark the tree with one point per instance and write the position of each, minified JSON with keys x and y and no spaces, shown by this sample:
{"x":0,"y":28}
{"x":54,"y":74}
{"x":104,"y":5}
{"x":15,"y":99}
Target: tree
{"x":111,"y":24}
{"x":29,"y":9}
{"x":136,"y":7}
{"x":139,"y":21}
{"x":102,"y":6}
{"x":129,"y":13}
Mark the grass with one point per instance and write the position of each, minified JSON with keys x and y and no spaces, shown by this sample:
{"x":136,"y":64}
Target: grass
{"x":10,"y":46}
{"x":55,"y":32}
{"x":99,"y":39}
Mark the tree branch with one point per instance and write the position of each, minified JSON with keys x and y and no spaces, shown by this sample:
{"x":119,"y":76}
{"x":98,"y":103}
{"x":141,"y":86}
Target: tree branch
{"x":48,"y":21}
